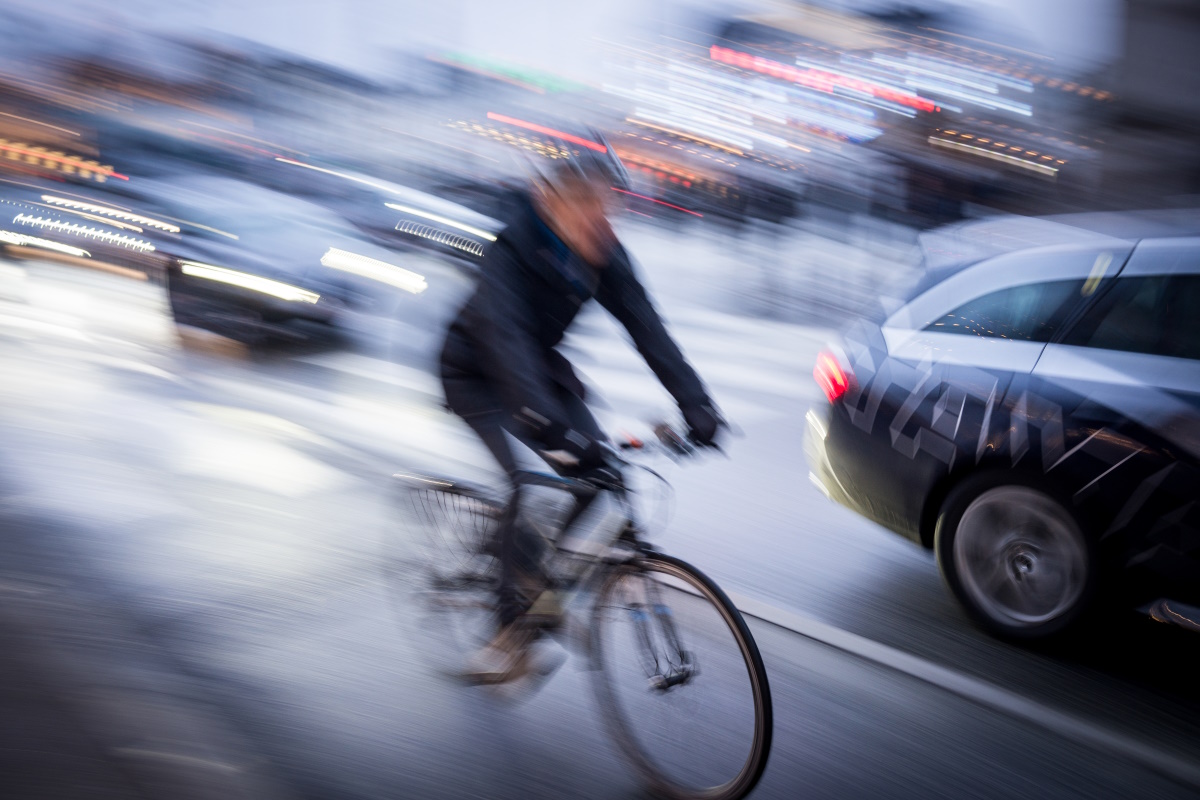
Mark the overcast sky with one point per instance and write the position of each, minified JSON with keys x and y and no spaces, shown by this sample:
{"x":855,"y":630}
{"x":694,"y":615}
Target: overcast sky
{"x":560,"y":35}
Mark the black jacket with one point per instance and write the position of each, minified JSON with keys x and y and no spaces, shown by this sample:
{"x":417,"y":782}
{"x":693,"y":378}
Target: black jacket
{"x":530,"y":289}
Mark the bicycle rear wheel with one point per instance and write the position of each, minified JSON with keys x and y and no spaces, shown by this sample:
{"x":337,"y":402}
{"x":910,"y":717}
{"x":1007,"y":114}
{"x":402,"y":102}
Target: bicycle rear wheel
{"x":680,"y":681}
{"x":441,"y":572}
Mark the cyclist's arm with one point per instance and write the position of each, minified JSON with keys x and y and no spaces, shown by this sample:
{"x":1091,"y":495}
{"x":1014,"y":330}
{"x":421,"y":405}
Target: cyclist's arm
{"x":623,"y":296}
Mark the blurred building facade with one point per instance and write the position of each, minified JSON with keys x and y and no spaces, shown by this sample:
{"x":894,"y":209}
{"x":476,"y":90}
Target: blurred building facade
{"x":1152,"y":131}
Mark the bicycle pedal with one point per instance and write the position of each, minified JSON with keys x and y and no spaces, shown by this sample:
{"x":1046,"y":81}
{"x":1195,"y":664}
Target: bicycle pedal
{"x":547,"y":604}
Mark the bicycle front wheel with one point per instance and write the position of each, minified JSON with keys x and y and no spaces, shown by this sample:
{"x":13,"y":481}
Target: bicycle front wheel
{"x":680,"y":681}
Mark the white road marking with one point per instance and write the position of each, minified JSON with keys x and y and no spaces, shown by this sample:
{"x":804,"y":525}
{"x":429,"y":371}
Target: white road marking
{"x":977,"y":691}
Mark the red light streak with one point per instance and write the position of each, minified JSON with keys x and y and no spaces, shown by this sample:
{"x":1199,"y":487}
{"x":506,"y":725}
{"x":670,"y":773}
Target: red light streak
{"x":660,"y":202}
{"x":816,"y":79}
{"x":830,"y":377}
{"x":566,"y":137}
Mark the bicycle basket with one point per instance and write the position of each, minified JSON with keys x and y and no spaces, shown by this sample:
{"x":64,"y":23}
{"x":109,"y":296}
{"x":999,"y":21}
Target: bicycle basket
{"x":452,"y":523}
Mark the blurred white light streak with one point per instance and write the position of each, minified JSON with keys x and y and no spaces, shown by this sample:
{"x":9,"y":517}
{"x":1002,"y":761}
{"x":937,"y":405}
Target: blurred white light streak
{"x":116,"y":223}
{"x":36,"y":122}
{"x":691,"y":128}
{"x":21,"y":240}
{"x":939,"y":88}
{"x":676,"y":132}
{"x":482,"y":234}
{"x":441,"y":237}
{"x":1042,"y":169}
{"x":759,"y":88}
{"x":849,"y":128}
{"x":217,"y":231}
{"x":374,"y":269}
{"x":110,"y":212}
{"x":335,"y":173}
{"x":940,"y":72}
{"x":736,"y":113}
{"x":81,"y":230}
{"x":947,"y":69}
{"x":392,"y":190}
{"x":244,"y":280}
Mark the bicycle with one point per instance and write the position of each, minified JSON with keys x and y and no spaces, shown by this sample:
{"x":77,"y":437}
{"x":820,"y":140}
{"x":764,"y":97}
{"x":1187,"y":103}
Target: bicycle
{"x":656,"y":623}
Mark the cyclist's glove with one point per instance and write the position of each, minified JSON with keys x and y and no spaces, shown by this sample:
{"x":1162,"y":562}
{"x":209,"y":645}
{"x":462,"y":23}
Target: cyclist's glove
{"x":702,"y":422}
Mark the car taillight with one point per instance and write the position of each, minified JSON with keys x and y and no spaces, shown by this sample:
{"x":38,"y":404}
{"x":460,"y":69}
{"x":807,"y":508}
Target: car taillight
{"x":830,"y":376}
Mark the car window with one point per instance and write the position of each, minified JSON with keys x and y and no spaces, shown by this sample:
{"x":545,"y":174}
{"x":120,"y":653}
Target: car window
{"x":1031,"y":312}
{"x":1043,"y":267}
{"x":1153,"y":314}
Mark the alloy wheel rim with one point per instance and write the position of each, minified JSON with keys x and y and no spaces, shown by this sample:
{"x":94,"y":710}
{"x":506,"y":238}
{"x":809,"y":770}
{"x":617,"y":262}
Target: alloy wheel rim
{"x":1020,"y":557}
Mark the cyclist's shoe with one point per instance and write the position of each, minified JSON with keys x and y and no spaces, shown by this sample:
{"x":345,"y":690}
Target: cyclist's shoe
{"x":546,"y":612}
{"x":542,"y":660}
{"x":504,"y":658}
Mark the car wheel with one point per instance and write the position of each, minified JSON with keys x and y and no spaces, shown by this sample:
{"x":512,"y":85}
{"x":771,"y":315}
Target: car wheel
{"x":1015,"y":557}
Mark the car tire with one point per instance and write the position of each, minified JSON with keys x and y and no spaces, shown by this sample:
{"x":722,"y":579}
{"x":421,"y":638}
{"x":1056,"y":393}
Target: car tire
{"x":1015,"y":557}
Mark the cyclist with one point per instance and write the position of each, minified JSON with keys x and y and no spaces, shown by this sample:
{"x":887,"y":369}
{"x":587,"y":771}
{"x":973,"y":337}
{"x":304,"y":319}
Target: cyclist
{"x":501,"y":371}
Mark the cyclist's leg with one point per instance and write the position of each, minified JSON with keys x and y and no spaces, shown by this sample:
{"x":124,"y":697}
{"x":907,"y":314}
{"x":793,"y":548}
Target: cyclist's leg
{"x":579,"y":415}
{"x":582,"y":420}
{"x":479,"y":405}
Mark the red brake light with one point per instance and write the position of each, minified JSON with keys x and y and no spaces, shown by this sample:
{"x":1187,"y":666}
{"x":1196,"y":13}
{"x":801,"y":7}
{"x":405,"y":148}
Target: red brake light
{"x":830,"y":376}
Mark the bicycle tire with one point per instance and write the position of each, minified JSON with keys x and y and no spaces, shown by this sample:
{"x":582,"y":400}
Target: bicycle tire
{"x":620,"y":721}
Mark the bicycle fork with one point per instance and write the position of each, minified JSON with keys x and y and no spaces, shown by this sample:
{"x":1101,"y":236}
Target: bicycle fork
{"x":664,"y":659}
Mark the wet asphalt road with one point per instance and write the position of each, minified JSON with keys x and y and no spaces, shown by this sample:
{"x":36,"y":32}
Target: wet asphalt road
{"x":228,"y":514}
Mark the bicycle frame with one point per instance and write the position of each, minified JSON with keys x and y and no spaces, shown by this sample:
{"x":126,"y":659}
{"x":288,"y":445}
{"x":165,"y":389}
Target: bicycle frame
{"x":625,"y":530}
{"x":625,"y":546}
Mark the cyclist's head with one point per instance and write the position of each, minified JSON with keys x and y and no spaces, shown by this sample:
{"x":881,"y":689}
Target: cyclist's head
{"x":574,"y":195}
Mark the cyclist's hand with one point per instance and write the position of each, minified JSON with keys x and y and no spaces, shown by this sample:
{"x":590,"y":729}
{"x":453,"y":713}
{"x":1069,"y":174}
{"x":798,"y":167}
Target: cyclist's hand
{"x":703,"y":422}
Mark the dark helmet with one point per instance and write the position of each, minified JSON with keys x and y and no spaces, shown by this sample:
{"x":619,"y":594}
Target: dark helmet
{"x":590,"y":158}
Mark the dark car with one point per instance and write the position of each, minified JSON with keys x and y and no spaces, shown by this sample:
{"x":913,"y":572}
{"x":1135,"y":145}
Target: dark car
{"x":1032,"y":414}
{"x":255,"y":264}
{"x":42,"y":220}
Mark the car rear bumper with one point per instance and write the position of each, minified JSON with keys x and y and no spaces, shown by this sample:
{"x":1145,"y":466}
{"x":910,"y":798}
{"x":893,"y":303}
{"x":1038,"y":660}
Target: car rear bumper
{"x":865,"y":475}
{"x":821,"y":472}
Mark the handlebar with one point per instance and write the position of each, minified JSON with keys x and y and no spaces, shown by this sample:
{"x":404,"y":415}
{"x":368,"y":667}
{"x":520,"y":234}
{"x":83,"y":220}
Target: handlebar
{"x":670,"y":440}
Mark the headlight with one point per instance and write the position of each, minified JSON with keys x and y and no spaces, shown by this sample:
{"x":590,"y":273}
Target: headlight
{"x":374,"y":269}
{"x":245,"y":280}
